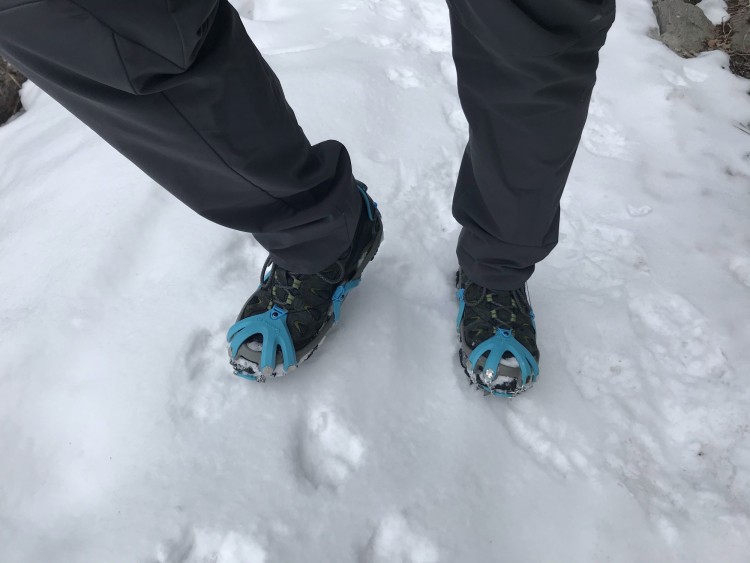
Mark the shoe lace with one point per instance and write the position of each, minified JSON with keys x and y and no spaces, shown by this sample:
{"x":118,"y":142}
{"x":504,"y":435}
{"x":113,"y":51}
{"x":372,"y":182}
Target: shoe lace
{"x":292,"y":282}
{"x":502,"y":311}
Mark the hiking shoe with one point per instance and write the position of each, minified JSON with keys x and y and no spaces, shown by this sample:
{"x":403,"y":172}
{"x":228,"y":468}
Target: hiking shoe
{"x":497,"y":334}
{"x":289,"y":316}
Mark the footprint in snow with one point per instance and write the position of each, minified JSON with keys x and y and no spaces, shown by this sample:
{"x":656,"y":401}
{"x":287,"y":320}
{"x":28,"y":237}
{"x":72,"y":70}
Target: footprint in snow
{"x":679,"y":337}
{"x":209,"y":546}
{"x":639,"y":211}
{"x":203,"y":380}
{"x":694,"y":75}
{"x":552,"y":442}
{"x":601,"y":136}
{"x":389,"y":9}
{"x":740,"y":267}
{"x":596,"y":256}
{"x":432,"y":33}
{"x":404,"y":77}
{"x":674,"y":79}
{"x":395,"y":542}
{"x":329,"y":452}
{"x":599,"y":373}
{"x":379,"y":41}
{"x":603,"y":139}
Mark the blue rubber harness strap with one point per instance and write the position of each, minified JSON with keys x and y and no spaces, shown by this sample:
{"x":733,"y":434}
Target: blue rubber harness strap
{"x":272,"y":327}
{"x":340,"y":294}
{"x":503,"y":341}
{"x":461,"y":307}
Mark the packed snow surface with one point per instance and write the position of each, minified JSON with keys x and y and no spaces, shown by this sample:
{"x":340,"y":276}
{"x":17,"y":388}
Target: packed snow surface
{"x":125,"y":438}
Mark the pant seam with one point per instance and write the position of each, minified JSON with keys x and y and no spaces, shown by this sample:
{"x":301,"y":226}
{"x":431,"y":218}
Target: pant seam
{"x":104,"y":24}
{"x":608,"y":17}
{"x":23,"y":5}
{"x":169,"y":101}
{"x":179,"y":32}
{"x":122,"y":63}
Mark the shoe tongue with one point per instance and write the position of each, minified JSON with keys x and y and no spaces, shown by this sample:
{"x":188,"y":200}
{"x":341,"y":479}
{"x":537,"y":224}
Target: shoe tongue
{"x":474,"y":293}
{"x":286,"y":278}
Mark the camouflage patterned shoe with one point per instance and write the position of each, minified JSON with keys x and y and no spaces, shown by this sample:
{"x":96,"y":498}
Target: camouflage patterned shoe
{"x":289,"y":315}
{"x":497,"y":334}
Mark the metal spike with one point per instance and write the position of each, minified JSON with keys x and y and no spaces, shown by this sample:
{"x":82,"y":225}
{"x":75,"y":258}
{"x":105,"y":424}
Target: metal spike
{"x":489,"y":376}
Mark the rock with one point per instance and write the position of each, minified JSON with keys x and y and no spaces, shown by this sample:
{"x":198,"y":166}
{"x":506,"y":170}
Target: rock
{"x":740,"y":23}
{"x":10,"y":83}
{"x":683,"y":27}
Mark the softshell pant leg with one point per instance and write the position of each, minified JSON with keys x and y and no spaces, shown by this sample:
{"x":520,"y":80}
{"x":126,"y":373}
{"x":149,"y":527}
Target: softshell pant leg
{"x":526,"y":69}
{"x":179,"y":89}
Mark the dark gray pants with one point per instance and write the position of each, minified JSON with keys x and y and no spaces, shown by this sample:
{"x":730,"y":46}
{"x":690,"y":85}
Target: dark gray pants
{"x":178,"y":88}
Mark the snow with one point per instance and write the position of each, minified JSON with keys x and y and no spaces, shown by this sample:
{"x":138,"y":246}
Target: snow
{"x":715,"y":10}
{"x":124,"y":437}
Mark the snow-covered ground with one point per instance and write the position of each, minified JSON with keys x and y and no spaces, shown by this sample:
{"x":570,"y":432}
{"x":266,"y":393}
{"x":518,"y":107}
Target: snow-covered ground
{"x":125,"y":438}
